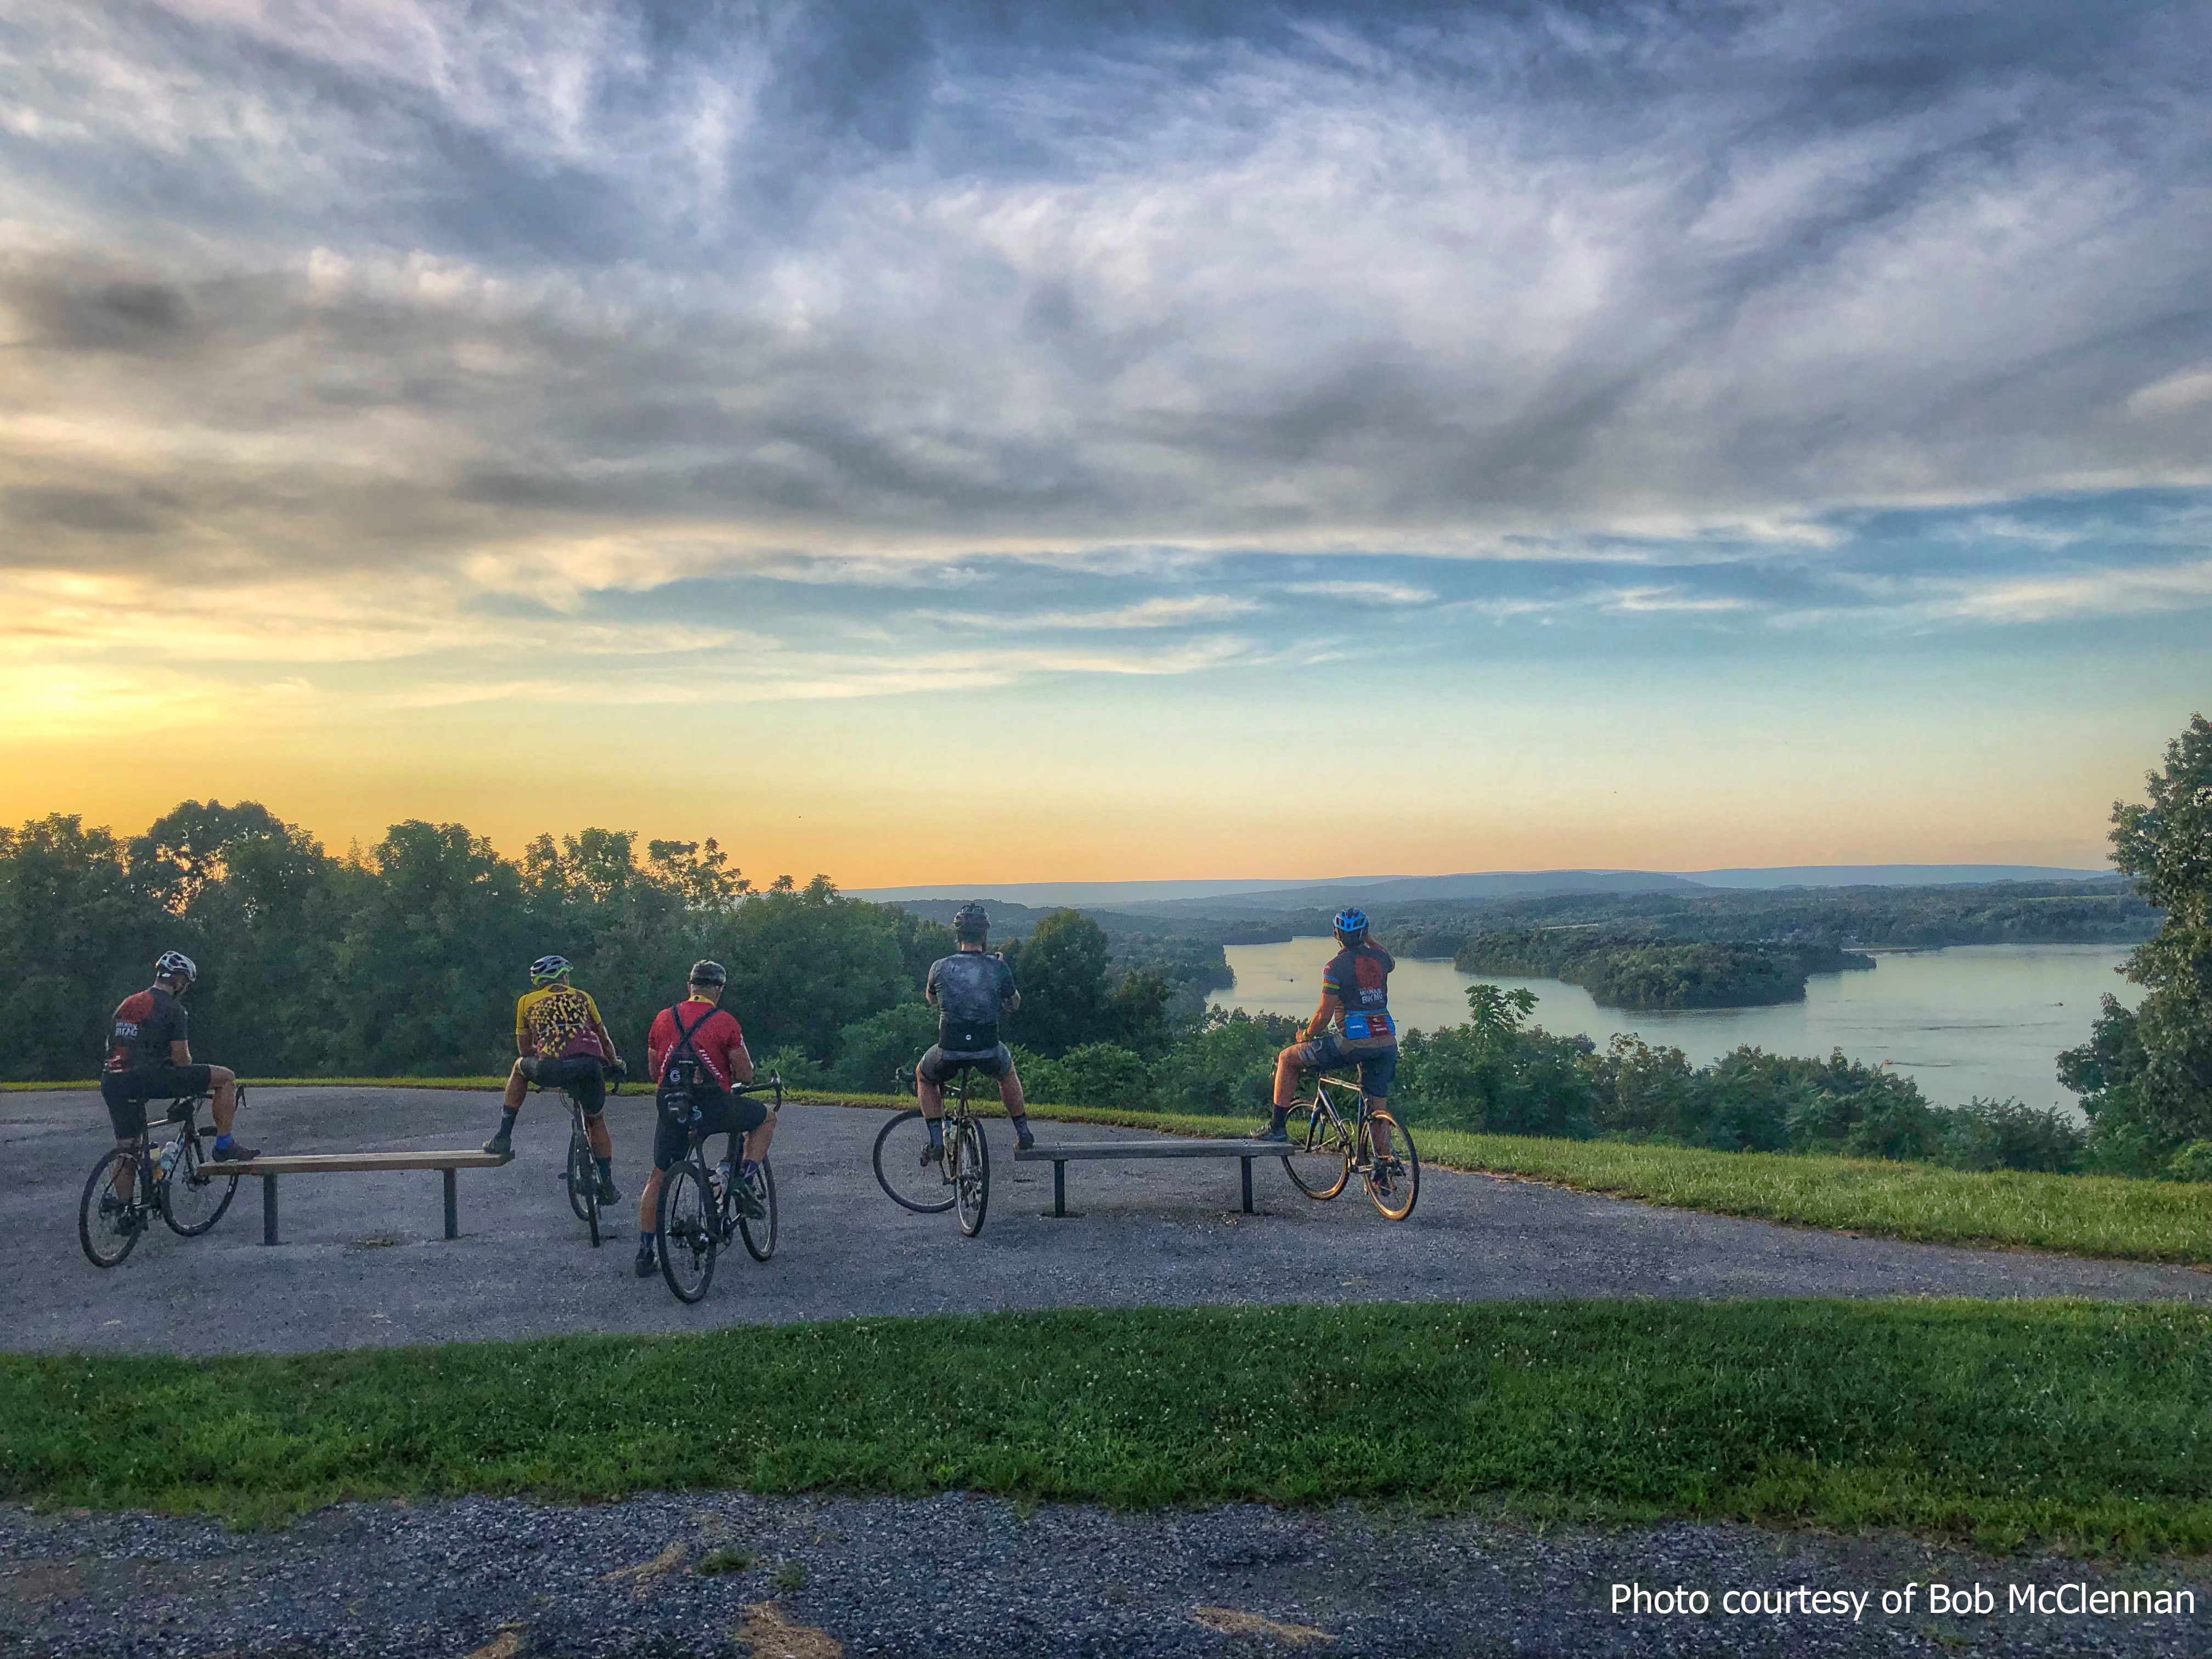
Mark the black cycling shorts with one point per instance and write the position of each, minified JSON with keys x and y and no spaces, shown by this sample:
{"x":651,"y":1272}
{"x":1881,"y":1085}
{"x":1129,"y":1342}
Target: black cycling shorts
{"x":721,"y":1112}
{"x":584,"y":1076}
{"x":941,"y":1063}
{"x":127,"y":1093}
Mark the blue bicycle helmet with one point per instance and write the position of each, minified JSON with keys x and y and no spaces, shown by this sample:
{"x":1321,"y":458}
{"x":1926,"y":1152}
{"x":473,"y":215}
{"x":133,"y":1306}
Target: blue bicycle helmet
{"x":1352,"y":922}
{"x":548,"y":968}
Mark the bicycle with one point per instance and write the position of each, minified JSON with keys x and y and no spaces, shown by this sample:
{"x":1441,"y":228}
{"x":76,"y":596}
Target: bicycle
{"x":177,"y":1182}
{"x":962,"y":1180}
{"x":697,"y":1217}
{"x":582,"y":1176}
{"x":1327,"y":1150}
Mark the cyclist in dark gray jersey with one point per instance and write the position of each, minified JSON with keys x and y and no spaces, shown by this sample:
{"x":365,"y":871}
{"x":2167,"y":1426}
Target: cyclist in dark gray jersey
{"x":969,"y":992}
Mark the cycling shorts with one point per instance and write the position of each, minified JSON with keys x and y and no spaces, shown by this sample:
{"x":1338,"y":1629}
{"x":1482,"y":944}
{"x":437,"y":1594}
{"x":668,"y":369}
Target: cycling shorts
{"x":721,"y":1112}
{"x":941,"y":1063}
{"x":1377,"y":1066}
{"x":127,"y":1093}
{"x":584,"y":1076}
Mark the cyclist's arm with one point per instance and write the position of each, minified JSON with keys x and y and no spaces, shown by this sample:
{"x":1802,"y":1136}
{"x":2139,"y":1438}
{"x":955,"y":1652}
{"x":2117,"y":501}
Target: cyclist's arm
{"x":1323,"y":1017}
{"x":523,"y":1045}
{"x":599,"y":1031}
{"x":741,"y":1062}
{"x":180,"y":1053}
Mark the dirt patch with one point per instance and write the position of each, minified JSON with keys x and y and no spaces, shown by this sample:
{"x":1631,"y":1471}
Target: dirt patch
{"x":645,"y":1574}
{"x":1235,"y":1621}
{"x":505,"y":1645}
{"x":771,"y":1634}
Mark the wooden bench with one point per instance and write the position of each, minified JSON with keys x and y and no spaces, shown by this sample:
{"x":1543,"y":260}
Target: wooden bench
{"x":269,"y":1168}
{"x":1078,"y":1151}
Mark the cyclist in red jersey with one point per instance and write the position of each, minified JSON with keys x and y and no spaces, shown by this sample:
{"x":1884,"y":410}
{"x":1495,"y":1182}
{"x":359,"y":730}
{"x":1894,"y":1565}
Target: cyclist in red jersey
{"x":697,"y":1050}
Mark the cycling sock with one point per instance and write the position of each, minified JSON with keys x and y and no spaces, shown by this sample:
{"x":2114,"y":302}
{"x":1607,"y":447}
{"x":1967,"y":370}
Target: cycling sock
{"x":1278,"y":1116}
{"x":749,"y":1168}
{"x":505,"y":1121}
{"x":1021,"y":1119}
{"x":936,"y":1130}
{"x":605,"y":1167}
{"x":644,"y":1241}
{"x":222,"y":1143}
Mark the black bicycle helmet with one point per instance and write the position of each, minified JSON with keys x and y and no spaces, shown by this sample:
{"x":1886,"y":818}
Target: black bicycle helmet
{"x":175,"y":965}
{"x":971,"y":922}
{"x":704,"y":972}
{"x":546,"y":969}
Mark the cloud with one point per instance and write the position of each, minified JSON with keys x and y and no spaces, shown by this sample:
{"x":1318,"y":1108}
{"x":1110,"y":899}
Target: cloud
{"x":621,"y":323}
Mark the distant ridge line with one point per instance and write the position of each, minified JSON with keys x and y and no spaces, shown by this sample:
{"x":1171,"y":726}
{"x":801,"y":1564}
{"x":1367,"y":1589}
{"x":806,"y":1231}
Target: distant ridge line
{"x":1256,"y":894}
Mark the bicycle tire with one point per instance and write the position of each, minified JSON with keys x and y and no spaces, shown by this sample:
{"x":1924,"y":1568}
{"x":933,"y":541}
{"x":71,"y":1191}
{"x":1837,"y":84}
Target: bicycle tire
{"x":759,"y":1236}
{"x":690,"y":1231}
{"x":1406,"y":1186}
{"x":113,"y":1243}
{"x":186,"y":1182}
{"x":581,"y":1179}
{"x":1322,"y":1166}
{"x":930,"y":1193}
{"x":970,"y":1152}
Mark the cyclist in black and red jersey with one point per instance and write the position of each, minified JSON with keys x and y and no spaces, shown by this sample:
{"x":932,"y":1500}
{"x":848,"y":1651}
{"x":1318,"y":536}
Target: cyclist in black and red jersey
{"x":150,"y":1056}
{"x":1351,"y":1026}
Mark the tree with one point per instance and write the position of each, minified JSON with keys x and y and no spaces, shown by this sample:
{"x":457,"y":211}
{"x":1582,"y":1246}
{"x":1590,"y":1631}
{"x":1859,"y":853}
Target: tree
{"x":77,"y":936}
{"x":2148,"y":1074}
{"x":1060,"y":969}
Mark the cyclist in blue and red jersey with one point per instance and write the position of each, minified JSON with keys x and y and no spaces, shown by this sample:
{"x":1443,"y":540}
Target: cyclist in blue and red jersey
{"x":150,"y":1056}
{"x":1352,"y":1025}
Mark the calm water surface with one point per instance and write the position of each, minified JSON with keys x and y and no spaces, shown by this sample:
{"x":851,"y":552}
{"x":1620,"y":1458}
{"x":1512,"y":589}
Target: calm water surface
{"x":1975,"y":1019}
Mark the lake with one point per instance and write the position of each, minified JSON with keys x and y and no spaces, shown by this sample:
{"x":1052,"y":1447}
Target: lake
{"x":1974,"y":1019}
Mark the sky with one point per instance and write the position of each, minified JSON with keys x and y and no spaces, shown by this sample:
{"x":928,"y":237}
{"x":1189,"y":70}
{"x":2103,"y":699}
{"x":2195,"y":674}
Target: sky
{"x":979,"y":442}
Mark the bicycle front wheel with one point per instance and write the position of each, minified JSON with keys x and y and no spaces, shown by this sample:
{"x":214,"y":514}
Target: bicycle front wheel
{"x":196,"y":1193}
{"x":1401,"y":1168}
{"x":970,"y":1154}
{"x":690,"y":1231}
{"x":1319,"y":1162}
{"x":581,"y":1179}
{"x":758,"y":1234}
{"x":106,"y":1226}
{"x":912,"y":1181}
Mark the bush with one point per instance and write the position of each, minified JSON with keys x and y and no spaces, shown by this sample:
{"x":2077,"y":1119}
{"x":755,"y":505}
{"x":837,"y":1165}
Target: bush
{"x":2003,"y":1134}
{"x":2192,"y":1162}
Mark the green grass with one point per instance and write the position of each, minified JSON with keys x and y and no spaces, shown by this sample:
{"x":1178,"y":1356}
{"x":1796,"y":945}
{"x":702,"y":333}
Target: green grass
{"x":2074,"y":1215}
{"x":2082,"y":1425}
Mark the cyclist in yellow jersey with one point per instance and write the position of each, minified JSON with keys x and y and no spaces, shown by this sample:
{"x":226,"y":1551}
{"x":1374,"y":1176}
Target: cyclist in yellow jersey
{"x":561,"y":1043}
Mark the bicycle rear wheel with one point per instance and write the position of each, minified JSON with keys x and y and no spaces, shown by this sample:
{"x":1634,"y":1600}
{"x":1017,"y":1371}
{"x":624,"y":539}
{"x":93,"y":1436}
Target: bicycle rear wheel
{"x":1319,"y":1163}
{"x":1405,"y":1170}
{"x":109,"y":1231}
{"x":689,"y":1229}
{"x":579,"y":1177}
{"x":900,"y":1171}
{"x":970,"y":1155}
{"x":759,"y":1236}
{"x":195,"y":1194}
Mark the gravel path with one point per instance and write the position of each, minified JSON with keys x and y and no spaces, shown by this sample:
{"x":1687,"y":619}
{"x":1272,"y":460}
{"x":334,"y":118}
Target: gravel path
{"x":813,"y":1578}
{"x":363,"y":1261}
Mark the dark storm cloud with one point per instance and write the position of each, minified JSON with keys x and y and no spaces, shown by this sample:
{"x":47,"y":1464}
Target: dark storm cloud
{"x":429,"y":286}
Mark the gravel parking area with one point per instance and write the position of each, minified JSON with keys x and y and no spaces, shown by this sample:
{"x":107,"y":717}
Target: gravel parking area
{"x":722,"y":1573}
{"x":363,"y":1261}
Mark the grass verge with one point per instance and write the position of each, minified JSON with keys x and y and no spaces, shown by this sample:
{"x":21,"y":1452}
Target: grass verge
{"x":2085,"y":1426}
{"x":2072,"y":1215}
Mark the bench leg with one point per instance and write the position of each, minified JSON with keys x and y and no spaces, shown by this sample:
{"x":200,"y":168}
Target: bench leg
{"x":1060,"y":1212}
{"x":268,"y":1209}
{"x":1245,"y":1163}
{"x":453,"y":1208}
